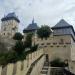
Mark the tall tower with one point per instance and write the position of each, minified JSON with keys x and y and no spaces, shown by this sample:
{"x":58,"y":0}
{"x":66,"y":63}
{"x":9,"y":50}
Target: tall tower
{"x":9,"y":25}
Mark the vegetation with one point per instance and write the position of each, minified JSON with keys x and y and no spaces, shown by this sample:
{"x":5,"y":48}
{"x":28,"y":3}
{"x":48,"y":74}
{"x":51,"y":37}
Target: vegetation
{"x":7,"y":57}
{"x":19,"y":47}
{"x":58,"y":63}
{"x":28,"y":41}
{"x":12,"y":57}
{"x":19,"y":50}
{"x":18,"y":36}
{"x":44,"y":32}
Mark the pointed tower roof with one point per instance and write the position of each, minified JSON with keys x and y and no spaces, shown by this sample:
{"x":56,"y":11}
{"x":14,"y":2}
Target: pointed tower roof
{"x":62,"y":23}
{"x":33,"y":20}
{"x":10,"y":16}
{"x":63,"y":28}
{"x":31,"y":27}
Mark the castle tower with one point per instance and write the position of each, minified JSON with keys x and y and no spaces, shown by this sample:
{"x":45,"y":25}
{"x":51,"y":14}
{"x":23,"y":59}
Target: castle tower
{"x":9,"y":25}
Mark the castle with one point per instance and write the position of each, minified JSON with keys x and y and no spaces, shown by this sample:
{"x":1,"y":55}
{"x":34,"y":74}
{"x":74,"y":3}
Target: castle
{"x":60,"y":44}
{"x":9,"y":25}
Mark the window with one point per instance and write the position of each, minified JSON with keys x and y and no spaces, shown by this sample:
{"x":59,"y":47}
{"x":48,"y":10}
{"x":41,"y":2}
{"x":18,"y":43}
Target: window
{"x":48,"y":43}
{"x":45,"y":46}
{"x":54,"y":43}
{"x":68,"y":43}
{"x":4,"y":33}
{"x":57,"y":45}
{"x":64,"y":45}
{"x":14,"y":28}
{"x":51,"y":46}
{"x":42,"y":44}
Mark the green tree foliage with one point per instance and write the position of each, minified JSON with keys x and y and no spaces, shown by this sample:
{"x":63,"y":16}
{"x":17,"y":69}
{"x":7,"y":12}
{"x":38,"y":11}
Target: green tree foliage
{"x":34,"y":48}
{"x":18,"y":52}
{"x":8,"y":57}
{"x":18,"y":36}
{"x":28,"y":41}
{"x":57,"y":63}
{"x":44,"y":31}
{"x":19,"y":47}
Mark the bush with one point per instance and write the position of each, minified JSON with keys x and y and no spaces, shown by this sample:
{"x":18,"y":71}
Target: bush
{"x":11,"y":57}
{"x":28,"y":41}
{"x":18,"y":52}
{"x":18,"y":36}
{"x":57,"y":63}
{"x":19,"y":47}
{"x":34,"y":48}
{"x":44,"y":32}
{"x":6,"y":58}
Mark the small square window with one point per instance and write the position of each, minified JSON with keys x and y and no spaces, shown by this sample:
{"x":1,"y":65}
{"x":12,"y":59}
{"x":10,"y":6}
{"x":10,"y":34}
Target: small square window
{"x":54,"y":43}
{"x":51,"y":46}
{"x":45,"y":46}
{"x":42,"y":44}
{"x":57,"y":45}
{"x":48,"y":43}
{"x":4,"y":33}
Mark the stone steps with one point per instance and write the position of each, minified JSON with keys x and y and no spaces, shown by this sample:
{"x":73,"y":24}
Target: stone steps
{"x":45,"y":68}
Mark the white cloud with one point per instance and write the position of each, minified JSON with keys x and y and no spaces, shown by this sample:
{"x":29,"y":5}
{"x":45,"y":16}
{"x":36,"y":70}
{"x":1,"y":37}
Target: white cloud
{"x":44,"y":11}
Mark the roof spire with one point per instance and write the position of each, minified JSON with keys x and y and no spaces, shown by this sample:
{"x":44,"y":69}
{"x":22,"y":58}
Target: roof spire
{"x":33,"y":20}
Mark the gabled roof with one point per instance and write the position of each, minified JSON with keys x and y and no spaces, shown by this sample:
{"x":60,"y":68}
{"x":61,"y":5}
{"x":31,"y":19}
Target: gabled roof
{"x":61,"y":23}
{"x":10,"y":16}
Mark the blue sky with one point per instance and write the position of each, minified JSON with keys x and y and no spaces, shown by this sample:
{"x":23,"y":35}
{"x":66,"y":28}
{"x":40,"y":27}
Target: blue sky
{"x":47,"y":12}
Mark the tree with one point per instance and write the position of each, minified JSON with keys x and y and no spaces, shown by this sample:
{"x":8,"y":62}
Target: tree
{"x":28,"y":41}
{"x":19,"y":47}
{"x":44,"y":32}
{"x":18,"y":36}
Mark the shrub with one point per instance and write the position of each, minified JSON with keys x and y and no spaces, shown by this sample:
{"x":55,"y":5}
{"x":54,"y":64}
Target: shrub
{"x":19,"y":47}
{"x":28,"y":41}
{"x":44,"y":32}
{"x":18,"y":36}
{"x":57,"y":63}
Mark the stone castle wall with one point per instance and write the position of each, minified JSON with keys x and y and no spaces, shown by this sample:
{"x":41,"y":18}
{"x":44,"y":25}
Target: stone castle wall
{"x":57,"y":46}
{"x":22,"y":67}
{"x":9,"y":28}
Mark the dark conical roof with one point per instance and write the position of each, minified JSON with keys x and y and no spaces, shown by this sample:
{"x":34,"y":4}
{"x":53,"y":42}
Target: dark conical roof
{"x":31,"y":27}
{"x":10,"y":16}
{"x":61,"y":23}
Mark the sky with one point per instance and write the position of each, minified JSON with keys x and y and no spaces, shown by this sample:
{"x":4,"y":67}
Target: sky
{"x":47,"y":12}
